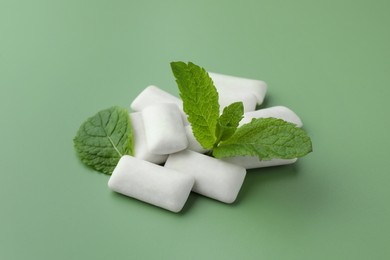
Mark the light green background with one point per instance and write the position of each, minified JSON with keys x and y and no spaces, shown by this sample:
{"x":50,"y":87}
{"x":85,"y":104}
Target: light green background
{"x":62,"y":61}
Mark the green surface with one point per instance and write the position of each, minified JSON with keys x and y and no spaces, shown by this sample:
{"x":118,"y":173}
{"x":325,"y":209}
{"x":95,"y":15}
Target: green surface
{"x":62,"y":61}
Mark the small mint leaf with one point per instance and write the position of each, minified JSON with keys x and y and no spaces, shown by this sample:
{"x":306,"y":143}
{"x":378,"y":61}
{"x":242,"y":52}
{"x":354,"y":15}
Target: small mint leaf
{"x":103,"y":138}
{"x":266,"y":138}
{"x":200,"y":100}
{"x":228,"y":122}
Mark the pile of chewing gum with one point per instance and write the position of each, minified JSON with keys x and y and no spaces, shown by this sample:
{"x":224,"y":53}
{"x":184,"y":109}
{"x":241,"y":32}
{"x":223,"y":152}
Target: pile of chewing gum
{"x":168,"y":161}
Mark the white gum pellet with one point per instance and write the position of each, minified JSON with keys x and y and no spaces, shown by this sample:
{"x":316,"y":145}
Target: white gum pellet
{"x":164,"y":129}
{"x":151,"y":183}
{"x":214,"y":178}
{"x":193,"y":144}
{"x":277,"y":112}
{"x":153,"y":95}
{"x":139,"y":139}
{"x":238,"y":85}
{"x":253,"y":162}
{"x":228,"y":97}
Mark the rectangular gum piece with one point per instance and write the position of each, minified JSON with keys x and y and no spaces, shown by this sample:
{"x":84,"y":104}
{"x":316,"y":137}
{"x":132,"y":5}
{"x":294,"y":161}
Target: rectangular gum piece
{"x":237,"y":84}
{"x":164,"y":129}
{"x":151,"y":183}
{"x":153,"y":95}
{"x":277,"y":112}
{"x":213,"y":178}
{"x":139,"y":139}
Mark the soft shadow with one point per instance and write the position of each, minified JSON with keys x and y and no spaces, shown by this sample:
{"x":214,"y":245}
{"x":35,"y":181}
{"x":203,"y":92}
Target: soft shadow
{"x":266,"y":103}
{"x":263,"y":176}
{"x":191,"y":201}
{"x":138,"y":203}
{"x":302,"y":190}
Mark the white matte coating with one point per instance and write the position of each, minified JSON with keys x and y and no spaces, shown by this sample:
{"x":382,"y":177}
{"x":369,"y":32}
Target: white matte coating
{"x":280,"y":112}
{"x":140,"y":149}
{"x":151,"y":183}
{"x":238,"y":85}
{"x":228,"y":97}
{"x":153,"y":95}
{"x":213,"y":178}
{"x":164,"y":129}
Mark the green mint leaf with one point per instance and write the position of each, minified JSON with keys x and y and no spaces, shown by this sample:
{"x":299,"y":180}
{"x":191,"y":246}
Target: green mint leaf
{"x":266,"y":138}
{"x":228,"y":122}
{"x":103,"y":138}
{"x":200,"y":100}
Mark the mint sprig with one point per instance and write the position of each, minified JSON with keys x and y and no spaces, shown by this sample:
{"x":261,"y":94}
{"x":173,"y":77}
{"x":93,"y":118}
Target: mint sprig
{"x":228,"y":121}
{"x":103,"y":138}
{"x":200,"y":100}
{"x":266,"y":138}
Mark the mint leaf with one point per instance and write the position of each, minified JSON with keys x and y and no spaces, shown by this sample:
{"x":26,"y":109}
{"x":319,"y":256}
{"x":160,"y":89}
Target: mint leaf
{"x":228,"y":122}
{"x":266,"y":138}
{"x":103,"y":138}
{"x":200,"y":100}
